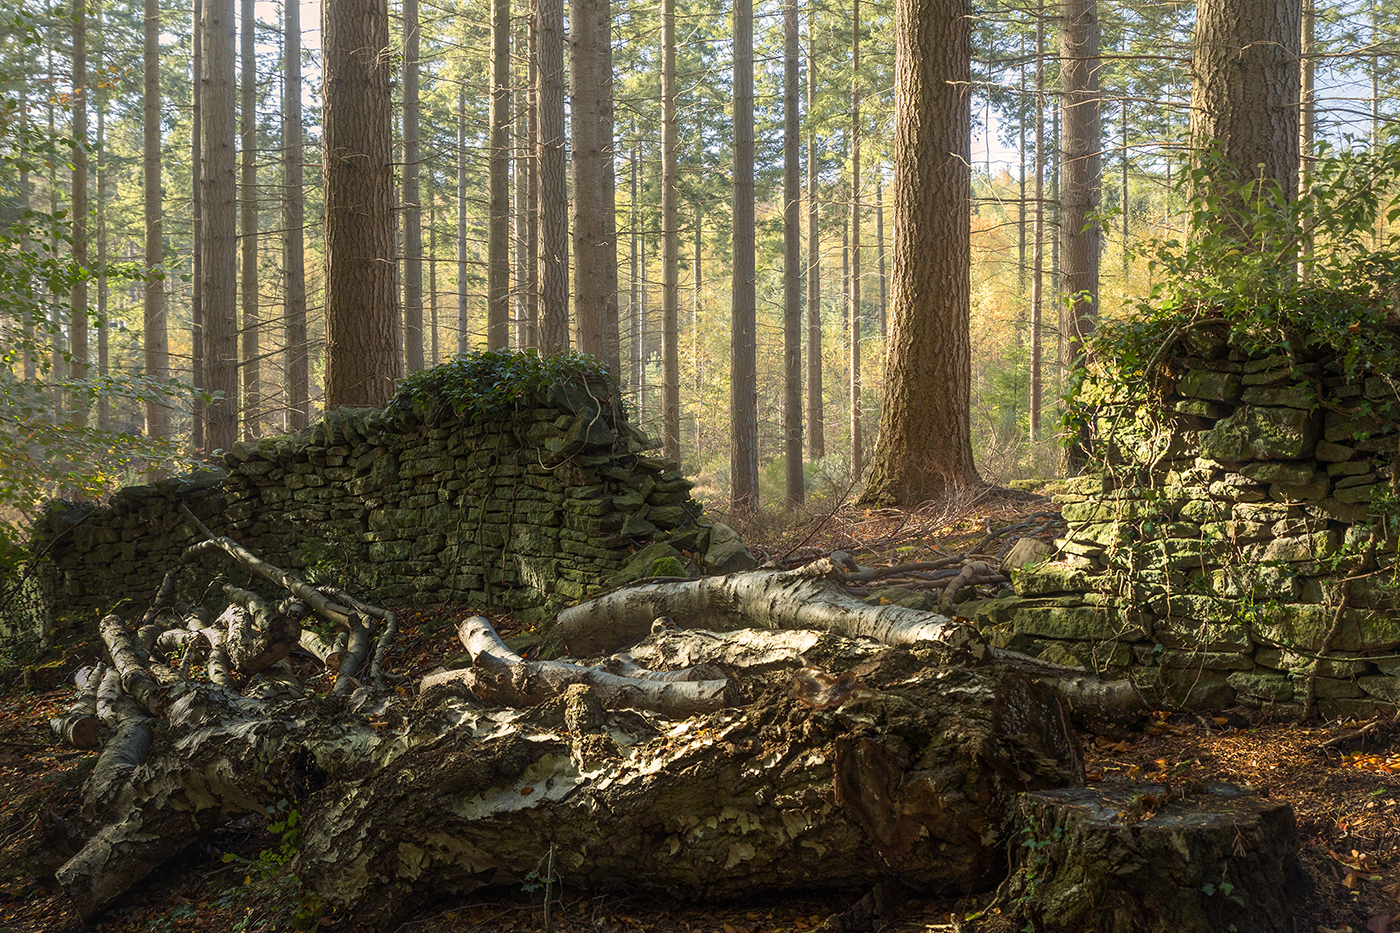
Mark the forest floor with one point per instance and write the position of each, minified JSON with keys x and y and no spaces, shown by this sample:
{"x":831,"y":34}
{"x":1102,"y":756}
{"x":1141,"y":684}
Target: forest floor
{"x":1342,"y":779}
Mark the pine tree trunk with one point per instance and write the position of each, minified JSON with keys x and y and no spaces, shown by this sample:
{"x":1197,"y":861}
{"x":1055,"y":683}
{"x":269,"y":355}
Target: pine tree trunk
{"x":1080,"y":197}
{"x":925,"y":445}
{"x":554,"y":197}
{"x":412,"y":206}
{"x":1038,"y":237}
{"x":1080,"y":235}
{"x":1244,"y":94}
{"x":743,"y":373}
{"x":78,"y":304}
{"x":594,"y":192}
{"x":156,"y":344}
{"x":794,"y":485}
{"x":520,"y":172}
{"x":219,"y":243}
{"x":364,"y":337}
{"x":531,"y":267}
{"x":199,"y":412}
{"x":670,"y":241}
{"x":856,"y":318}
{"x":463,"y":322}
{"x":816,"y":427}
{"x":294,"y":222}
{"x":251,"y":367}
{"x":498,"y":183}
{"x":880,"y":251}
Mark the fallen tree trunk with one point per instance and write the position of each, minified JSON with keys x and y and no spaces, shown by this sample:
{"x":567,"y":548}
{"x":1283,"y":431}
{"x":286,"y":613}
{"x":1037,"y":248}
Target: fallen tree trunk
{"x":499,"y":675}
{"x":810,"y":597}
{"x":913,"y":781}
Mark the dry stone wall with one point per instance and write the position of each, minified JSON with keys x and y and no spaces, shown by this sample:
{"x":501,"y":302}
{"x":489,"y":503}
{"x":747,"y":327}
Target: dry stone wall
{"x":413,"y":503}
{"x":1235,"y":541}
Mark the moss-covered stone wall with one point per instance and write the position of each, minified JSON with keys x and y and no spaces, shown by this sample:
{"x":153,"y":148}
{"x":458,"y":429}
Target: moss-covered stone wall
{"x":1235,"y":540}
{"x":413,"y":503}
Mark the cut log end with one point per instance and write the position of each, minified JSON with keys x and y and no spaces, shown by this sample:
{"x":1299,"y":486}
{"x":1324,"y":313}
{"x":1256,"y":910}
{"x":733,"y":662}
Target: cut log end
{"x":1154,"y":859}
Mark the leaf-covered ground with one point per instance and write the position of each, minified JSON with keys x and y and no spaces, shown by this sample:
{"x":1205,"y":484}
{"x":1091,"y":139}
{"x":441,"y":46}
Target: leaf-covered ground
{"x":1343,"y":780}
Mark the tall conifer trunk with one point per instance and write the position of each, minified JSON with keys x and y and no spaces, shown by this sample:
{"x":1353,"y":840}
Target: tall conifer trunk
{"x":219,"y":243}
{"x":792,"y":264}
{"x":248,"y":238}
{"x":364,"y":335}
{"x":743,"y":374}
{"x":155,"y":342}
{"x":293,"y":214}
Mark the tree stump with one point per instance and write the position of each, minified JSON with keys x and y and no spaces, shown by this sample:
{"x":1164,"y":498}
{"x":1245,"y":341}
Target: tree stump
{"x":1153,"y":859}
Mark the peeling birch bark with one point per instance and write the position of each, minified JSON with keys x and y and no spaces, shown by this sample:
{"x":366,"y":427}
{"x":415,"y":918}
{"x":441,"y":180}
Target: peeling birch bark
{"x":810,"y":597}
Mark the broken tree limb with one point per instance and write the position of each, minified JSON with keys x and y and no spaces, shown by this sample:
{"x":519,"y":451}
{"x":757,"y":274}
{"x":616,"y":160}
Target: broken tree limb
{"x":136,"y":681}
{"x":499,"y":675}
{"x":810,"y":597}
{"x":258,"y":634}
{"x":79,"y":725}
{"x":324,"y":607}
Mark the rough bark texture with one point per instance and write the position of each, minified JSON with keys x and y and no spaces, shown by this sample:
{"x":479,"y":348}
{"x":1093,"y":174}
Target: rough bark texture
{"x":925,"y":443}
{"x":498,"y":205}
{"x":809,"y":597}
{"x":595,"y":221}
{"x":156,"y":344}
{"x":412,"y":206}
{"x":670,"y":242}
{"x":363,"y":333}
{"x":553,"y":192}
{"x":218,"y":244}
{"x":1245,"y":88}
{"x":743,"y":359}
{"x":78,"y":303}
{"x":1141,"y":858}
{"x":816,"y":429}
{"x":1082,"y":188}
{"x":293,"y":213}
{"x":251,"y":363}
{"x":910,"y":781}
{"x":794,"y":485}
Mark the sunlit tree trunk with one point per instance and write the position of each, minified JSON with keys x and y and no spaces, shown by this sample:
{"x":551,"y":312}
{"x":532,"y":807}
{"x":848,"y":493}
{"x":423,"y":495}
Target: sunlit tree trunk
{"x":1244,"y":95}
{"x":199,"y":411}
{"x":412,"y":208}
{"x":550,"y":164}
{"x":155,"y":342}
{"x":100,"y":169}
{"x":816,"y":428}
{"x":1080,"y":196}
{"x":364,"y":337}
{"x":293,"y":214}
{"x":857,"y":453}
{"x":924,"y":450}
{"x":594,"y":193}
{"x":880,"y":251}
{"x":78,"y":304}
{"x":463,"y":329}
{"x":670,"y":241}
{"x":743,"y":373}
{"x":531,"y":267}
{"x":219,"y":243}
{"x":520,"y":172}
{"x":1038,"y":236}
{"x":248,"y":238}
{"x":498,"y":183}
{"x":792,"y":263}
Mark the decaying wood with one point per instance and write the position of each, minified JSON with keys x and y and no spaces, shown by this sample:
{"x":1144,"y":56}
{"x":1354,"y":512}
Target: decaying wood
{"x":851,"y":762}
{"x":810,"y":597}
{"x":1154,"y":859}
{"x":79,"y":725}
{"x":499,"y":675}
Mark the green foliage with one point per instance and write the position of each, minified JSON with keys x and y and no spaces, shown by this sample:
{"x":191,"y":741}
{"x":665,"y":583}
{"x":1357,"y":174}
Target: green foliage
{"x":271,"y":896}
{"x":44,"y":449}
{"x":489,"y":384}
{"x":1276,"y":275}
